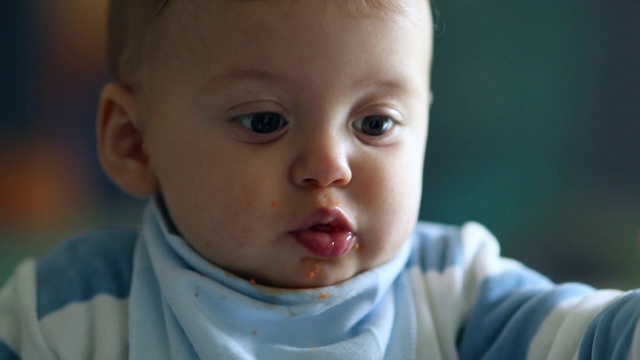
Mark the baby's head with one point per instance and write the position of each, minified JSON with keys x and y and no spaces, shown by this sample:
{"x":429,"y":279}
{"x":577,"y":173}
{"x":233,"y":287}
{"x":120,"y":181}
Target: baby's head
{"x":286,"y":137}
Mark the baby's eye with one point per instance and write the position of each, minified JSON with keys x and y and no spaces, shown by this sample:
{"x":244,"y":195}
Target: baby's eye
{"x":373,"y":125}
{"x":262,"y":123}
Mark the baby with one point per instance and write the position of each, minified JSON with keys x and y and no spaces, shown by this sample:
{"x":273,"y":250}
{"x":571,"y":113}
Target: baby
{"x":281,"y":146}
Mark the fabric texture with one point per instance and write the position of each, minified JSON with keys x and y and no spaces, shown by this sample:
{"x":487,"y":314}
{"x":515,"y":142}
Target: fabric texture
{"x":447,"y":294}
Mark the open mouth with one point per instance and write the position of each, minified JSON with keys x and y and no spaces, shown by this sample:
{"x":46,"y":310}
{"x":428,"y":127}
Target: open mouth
{"x":326,"y":227}
{"x":326,"y":233}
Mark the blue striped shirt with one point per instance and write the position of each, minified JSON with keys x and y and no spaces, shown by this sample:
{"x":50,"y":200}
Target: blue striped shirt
{"x":121,"y":293}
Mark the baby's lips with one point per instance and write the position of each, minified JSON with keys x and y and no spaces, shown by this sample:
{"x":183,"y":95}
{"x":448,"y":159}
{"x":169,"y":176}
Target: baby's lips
{"x":326,"y":244}
{"x":327,"y":233}
{"x":333,"y":219}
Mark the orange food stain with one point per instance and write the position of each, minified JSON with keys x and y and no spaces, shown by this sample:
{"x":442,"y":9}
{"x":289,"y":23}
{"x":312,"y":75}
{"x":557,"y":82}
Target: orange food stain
{"x":324,"y":295}
{"x":358,"y":247}
{"x":314,"y":349}
{"x":323,"y":198}
{"x":313,"y":266}
{"x":253,"y":281}
{"x":274,"y":203}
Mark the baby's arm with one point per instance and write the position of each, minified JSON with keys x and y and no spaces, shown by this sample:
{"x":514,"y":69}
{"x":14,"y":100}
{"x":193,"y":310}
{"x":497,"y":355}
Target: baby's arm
{"x":20,"y":336}
{"x":517,"y":311}
{"x":71,"y":303}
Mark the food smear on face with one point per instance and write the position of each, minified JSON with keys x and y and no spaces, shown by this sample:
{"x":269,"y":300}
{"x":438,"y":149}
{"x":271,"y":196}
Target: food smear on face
{"x":312,"y":266}
{"x":325,"y":200}
{"x":253,"y":281}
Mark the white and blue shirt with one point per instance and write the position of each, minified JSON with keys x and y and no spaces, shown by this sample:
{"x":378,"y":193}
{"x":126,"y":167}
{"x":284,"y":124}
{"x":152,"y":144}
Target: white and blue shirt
{"x":145,"y":294}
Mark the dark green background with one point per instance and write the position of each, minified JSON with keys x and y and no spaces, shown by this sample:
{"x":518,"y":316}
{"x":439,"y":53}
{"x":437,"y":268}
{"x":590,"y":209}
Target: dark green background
{"x":534,"y":131}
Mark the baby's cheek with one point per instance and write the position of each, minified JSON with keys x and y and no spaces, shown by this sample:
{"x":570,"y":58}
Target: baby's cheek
{"x":250,"y":217}
{"x":238,"y":224}
{"x":241,"y":236}
{"x":397,"y":210}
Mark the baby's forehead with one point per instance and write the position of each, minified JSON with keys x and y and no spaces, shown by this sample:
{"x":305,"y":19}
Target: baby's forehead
{"x":185,"y":15}
{"x":142,"y":33}
{"x":356,"y":8}
{"x":212,"y":20}
{"x":356,"y":5}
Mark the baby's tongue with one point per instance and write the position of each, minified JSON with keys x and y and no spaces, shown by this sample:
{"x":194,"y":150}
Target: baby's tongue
{"x":325,"y":241}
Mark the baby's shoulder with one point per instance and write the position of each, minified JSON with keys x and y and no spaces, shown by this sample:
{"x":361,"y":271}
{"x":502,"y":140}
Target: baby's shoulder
{"x":85,"y":266}
{"x":439,"y":246}
{"x":435,"y":246}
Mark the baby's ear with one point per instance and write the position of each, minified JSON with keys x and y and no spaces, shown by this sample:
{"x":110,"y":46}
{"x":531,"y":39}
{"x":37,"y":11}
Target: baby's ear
{"x":121,"y":142}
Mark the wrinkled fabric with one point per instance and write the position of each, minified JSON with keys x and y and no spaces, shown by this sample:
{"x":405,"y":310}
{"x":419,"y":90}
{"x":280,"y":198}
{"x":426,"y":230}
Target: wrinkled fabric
{"x":186,"y":308}
{"x":144,"y":293}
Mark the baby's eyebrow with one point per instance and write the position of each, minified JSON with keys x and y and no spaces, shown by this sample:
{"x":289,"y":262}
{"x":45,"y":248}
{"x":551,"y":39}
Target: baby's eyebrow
{"x":234,"y":75}
{"x":384,"y":85}
{"x":397,"y":83}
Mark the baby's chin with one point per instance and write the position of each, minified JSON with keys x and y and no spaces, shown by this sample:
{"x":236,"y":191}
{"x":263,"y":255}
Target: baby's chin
{"x":311,"y":274}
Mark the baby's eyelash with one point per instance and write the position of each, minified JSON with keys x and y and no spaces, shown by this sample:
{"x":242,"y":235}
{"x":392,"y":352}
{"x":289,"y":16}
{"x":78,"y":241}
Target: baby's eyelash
{"x":262,"y":123}
{"x":374,"y":125}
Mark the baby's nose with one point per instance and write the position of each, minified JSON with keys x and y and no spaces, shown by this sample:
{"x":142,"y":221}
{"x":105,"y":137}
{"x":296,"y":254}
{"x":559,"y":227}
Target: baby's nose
{"x":322,"y":162}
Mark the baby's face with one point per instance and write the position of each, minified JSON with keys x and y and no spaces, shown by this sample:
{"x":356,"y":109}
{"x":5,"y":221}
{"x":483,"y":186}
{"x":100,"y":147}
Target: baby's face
{"x":287,"y":137}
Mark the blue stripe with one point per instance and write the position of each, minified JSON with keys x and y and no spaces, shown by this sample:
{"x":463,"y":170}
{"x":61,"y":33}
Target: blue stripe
{"x":83,"y":267}
{"x":610,"y":333}
{"x":6,"y":353}
{"x":508,"y":313}
{"x":442,"y":244}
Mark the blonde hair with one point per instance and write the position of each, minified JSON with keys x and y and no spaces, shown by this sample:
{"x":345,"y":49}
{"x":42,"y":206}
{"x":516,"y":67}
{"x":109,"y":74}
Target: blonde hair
{"x":128,"y":25}
{"x":130,"y":36}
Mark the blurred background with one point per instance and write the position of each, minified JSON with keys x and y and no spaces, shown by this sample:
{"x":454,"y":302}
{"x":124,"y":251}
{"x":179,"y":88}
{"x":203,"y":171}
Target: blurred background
{"x":535,"y":131}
